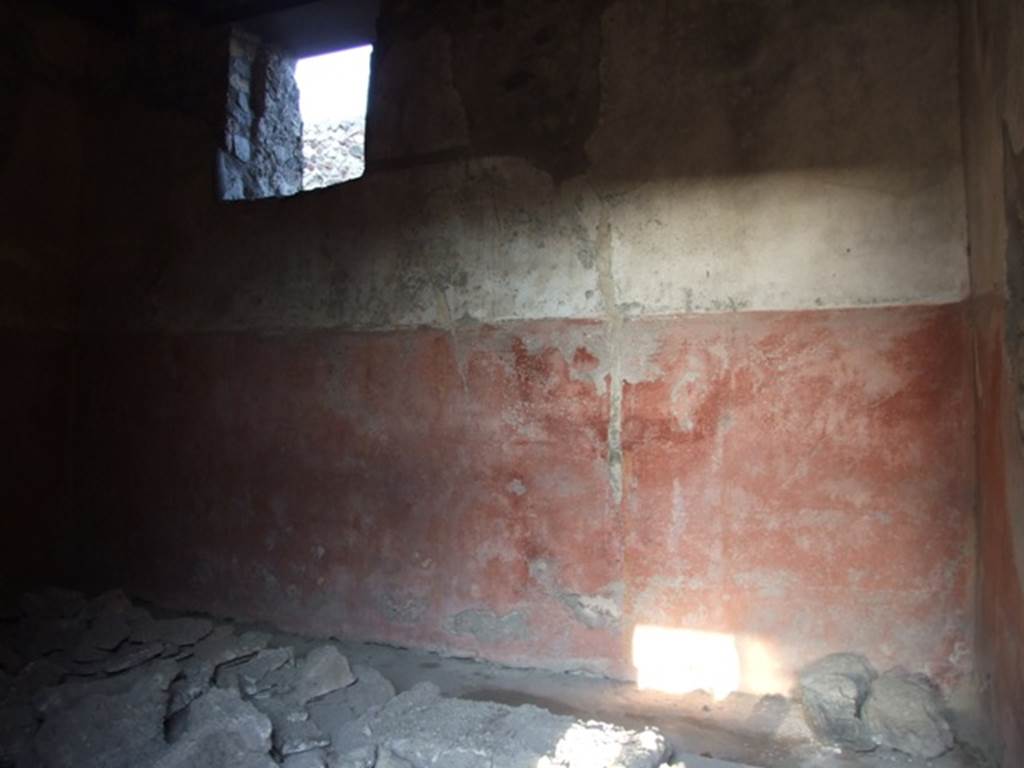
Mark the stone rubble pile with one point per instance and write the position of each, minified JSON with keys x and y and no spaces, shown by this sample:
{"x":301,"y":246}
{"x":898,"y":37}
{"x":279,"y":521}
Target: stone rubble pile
{"x":102,"y":683}
{"x":332,"y":153}
{"x":848,"y":704}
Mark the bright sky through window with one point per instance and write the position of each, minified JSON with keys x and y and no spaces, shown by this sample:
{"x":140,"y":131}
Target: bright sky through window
{"x":333,"y":86}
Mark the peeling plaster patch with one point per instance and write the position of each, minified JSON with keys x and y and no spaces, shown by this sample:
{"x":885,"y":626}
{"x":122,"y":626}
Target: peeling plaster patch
{"x":489,"y":627}
{"x":516,"y":487}
{"x":403,"y":609}
{"x":584,"y":347}
{"x":595,"y":611}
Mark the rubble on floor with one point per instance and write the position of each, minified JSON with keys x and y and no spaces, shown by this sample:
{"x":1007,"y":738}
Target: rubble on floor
{"x":848,"y":704}
{"x":101,"y":683}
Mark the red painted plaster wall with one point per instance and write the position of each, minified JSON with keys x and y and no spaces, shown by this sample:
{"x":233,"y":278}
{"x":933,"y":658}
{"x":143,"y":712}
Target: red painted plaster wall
{"x":1001,"y":491}
{"x":803,"y":482}
{"x":800,"y":479}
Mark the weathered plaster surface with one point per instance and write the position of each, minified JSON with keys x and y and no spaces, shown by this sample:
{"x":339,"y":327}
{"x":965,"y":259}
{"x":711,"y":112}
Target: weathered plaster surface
{"x":515,"y":391}
{"x":779,"y":484}
{"x":452,"y":491}
{"x":497,"y":240}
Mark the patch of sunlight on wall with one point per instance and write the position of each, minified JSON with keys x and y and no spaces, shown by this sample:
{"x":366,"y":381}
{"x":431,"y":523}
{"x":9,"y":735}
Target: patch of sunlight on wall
{"x":674,"y":660}
{"x":684,"y":660}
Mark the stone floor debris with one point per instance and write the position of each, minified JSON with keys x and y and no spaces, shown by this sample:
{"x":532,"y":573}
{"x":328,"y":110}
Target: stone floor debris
{"x":104,"y":684}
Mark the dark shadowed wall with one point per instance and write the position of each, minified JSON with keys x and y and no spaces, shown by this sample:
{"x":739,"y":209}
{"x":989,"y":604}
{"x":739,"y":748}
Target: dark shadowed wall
{"x":41,"y":180}
{"x":993,"y":89}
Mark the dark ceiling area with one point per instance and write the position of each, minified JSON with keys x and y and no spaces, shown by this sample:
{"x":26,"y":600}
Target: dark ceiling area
{"x":303,"y":27}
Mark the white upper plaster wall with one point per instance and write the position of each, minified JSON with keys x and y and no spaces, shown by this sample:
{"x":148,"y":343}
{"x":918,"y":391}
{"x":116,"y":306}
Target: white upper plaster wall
{"x":790,"y":240}
{"x":797,"y":156}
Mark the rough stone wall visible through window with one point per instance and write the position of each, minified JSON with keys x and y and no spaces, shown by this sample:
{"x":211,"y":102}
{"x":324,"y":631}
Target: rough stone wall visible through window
{"x":332,"y":153}
{"x":262,"y":150}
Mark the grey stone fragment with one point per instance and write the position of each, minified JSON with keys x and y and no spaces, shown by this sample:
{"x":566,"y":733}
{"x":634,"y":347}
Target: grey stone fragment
{"x":220,"y":647}
{"x":107,"y":631}
{"x":190,"y":686}
{"x":388,"y":759}
{"x":293,"y":732}
{"x":114,"y":602}
{"x":333,"y":710}
{"x":424,"y":729}
{"x":132,"y":656}
{"x":833,"y":690}
{"x":323,"y":670}
{"x":223,"y":711}
{"x":56,"y":697}
{"x":182,"y":631}
{"x":313,"y":759}
{"x":18,"y":725}
{"x":297,"y":736}
{"x":904,"y":711}
{"x":34,"y":677}
{"x":137,"y":615}
{"x":38,"y":636}
{"x":220,"y":731}
{"x":170,"y":652}
{"x":53,"y":603}
{"x":215,"y":751}
{"x":248,"y":676}
{"x":87,"y":655}
{"x":121,"y":730}
{"x":360,"y":757}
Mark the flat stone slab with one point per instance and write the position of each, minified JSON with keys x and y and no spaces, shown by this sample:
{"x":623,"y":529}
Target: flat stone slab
{"x":314,"y":759}
{"x":52,"y":698}
{"x":904,"y":712}
{"x":109,"y":730}
{"x":425,"y":729}
{"x":132,"y":656}
{"x":222,"y":646}
{"x":224,"y":711}
{"x":18,"y":725}
{"x":39,"y":636}
{"x":107,"y":631}
{"x":183,"y":631}
{"x":370,"y":690}
{"x":35,"y":676}
{"x":323,"y":670}
{"x":248,"y":676}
